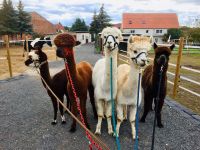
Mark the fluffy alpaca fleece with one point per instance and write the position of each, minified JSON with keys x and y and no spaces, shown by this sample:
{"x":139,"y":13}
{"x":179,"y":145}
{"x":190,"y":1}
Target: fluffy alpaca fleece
{"x":127,"y":80}
{"x":150,"y":80}
{"x":101,"y":76}
{"x":81,"y":75}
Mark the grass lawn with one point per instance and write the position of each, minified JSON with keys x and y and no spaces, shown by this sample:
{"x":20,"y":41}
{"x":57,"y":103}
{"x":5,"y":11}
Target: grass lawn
{"x":17,"y":60}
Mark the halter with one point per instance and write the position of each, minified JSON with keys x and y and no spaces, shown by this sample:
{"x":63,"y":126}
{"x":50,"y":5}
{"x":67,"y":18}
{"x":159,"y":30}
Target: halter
{"x":115,"y":42}
{"x":40,"y":64}
{"x":138,"y":55}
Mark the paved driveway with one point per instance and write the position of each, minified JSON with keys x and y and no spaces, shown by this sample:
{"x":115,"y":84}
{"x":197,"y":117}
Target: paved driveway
{"x":26,"y":113}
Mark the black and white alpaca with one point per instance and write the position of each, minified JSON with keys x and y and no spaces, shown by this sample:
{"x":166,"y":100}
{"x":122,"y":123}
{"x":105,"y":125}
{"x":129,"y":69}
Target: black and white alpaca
{"x":58,"y":83}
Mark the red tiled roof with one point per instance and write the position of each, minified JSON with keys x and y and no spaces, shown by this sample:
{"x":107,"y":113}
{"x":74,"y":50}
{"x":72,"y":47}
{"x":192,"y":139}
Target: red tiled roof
{"x":41,"y":25}
{"x":59,"y":26}
{"x":117,"y":25}
{"x":149,"y":20}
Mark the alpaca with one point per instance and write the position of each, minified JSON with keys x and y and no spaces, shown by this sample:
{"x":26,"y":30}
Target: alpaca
{"x":127,"y":79}
{"x":58,"y":83}
{"x":150,"y":80}
{"x":81,"y":75}
{"x":101,"y":76}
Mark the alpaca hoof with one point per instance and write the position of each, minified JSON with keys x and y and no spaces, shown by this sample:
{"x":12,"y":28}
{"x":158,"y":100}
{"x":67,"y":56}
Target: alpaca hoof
{"x":110,"y":132}
{"x":97,"y":132}
{"x":134,"y":138}
{"x":63,"y":122}
{"x":72,"y":130}
{"x":116,"y":134}
{"x":54,"y":122}
{"x":160,"y":125}
{"x":88,"y":127}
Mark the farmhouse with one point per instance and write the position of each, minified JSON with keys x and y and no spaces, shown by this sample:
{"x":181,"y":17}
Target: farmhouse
{"x":150,"y":24}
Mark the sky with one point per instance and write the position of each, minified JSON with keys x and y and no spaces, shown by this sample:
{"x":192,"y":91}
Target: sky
{"x":66,"y":11}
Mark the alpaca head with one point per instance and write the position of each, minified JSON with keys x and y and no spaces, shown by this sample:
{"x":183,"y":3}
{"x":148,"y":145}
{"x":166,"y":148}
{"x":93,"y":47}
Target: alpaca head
{"x":138,"y":46}
{"x":65,"y":43}
{"x":38,"y":43}
{"x":111,"y":38}
{"x":162,"y":54}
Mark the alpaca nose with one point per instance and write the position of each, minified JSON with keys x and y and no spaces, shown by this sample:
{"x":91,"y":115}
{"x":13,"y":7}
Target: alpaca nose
{"x":109,"y":42}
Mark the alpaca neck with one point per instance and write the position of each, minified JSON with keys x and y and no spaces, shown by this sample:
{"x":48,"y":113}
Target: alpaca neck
{"x":108,"y":55}
{"x":44,"y":71}
{"x":134,"y":69}
{"x":72,"y":66}
{"x":156,"y":73}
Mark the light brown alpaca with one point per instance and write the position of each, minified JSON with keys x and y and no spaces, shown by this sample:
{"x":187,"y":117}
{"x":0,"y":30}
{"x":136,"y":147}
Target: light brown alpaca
{"x":80,"y":73}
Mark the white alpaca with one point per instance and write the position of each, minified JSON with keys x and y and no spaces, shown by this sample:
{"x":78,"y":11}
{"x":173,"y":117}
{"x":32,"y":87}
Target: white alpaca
{"x":101,"y":76}
{"x":127,"y":80}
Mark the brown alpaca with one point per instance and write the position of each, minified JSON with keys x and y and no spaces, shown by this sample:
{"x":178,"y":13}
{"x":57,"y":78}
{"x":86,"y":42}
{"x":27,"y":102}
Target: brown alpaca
{"x":150,"y":81}
{"x":58,"y":83}
{"x":81,"y":75}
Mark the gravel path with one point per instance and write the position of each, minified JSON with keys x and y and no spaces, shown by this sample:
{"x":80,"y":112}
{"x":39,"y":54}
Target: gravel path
{"x":26,"y":113}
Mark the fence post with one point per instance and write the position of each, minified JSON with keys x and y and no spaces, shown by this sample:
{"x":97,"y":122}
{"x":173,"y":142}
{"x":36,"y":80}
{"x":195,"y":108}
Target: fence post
{"x":26,"y":53}
{"x":178,"y":66}
{"x":8,"y":54}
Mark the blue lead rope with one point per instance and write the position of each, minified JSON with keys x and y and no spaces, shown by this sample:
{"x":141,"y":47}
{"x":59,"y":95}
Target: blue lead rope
{"x":113,"y":104}
{"x":137,"y":113}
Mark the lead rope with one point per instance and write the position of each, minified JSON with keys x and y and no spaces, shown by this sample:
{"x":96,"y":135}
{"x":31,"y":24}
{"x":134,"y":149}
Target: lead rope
{"x":156,"y":107}
{"x":137,"y":111}
{"x":91,"y":141}
{"x":113,"y":105}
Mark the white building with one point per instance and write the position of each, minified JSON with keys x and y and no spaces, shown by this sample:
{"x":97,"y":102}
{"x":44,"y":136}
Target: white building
{"x":149,"y":24}
{"x":83,"y":36}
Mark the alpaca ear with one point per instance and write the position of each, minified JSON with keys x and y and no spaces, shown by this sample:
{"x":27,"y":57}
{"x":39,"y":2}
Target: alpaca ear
{"x":78,"y":43}
{"x":130,"y":39}
{"x":172,"y":47}
{"x":155,"y":45}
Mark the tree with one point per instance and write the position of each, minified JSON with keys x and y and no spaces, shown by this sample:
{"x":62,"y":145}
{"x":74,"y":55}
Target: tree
{"x":79,"y":25}
{"x":9,"y":18}
{"x":94,"y":26}
{"x":24,"y":18}
{"x":173,"y":34}
{"x":103,"y":18}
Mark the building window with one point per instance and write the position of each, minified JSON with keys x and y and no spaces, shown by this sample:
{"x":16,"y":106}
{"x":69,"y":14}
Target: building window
{"x":158,"y":31}
{"x":130,"y":22}
{"x":132,"y":31}
{"x":147,"y":31}
{"x":82,"y":37}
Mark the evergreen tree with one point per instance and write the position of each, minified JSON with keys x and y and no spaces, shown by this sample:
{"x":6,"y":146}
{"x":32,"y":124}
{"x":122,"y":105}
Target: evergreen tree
{"x":79,"y":25}
{"x":24,"y":25}
{"x":9,"y":18}
{"x":103,"y":18}
{"x":94,"y":26}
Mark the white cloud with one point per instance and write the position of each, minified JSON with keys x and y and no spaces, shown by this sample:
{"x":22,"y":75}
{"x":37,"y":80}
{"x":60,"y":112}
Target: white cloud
{"x":67,"y":11}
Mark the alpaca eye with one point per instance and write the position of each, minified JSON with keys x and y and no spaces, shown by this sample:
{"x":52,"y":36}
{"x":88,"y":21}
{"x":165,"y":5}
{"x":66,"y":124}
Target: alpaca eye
{"x":104,"y":37}
{"x":135,"y":52}
{"x":116,"y":37}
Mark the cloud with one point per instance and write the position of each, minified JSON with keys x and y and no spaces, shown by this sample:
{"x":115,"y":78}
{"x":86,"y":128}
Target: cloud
{"x":67,"y":12}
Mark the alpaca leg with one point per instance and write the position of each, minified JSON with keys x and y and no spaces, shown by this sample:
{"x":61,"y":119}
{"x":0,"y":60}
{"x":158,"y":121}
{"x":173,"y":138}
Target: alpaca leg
{"x":132,"y":120}
{"x":83,"y":110}
{"x":109,"y":117}
{"x":125,"y":112}
{"x":158,"y":114}
{"x":92,"y":101}
{"x":99,"y":105}
{"x":55,"y":107}
{"x":61,"y":111}
{"x":74,"y":111}
{"x":120,"y":117}
{"x":147,"y":107}
{"x":68,"y":101}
